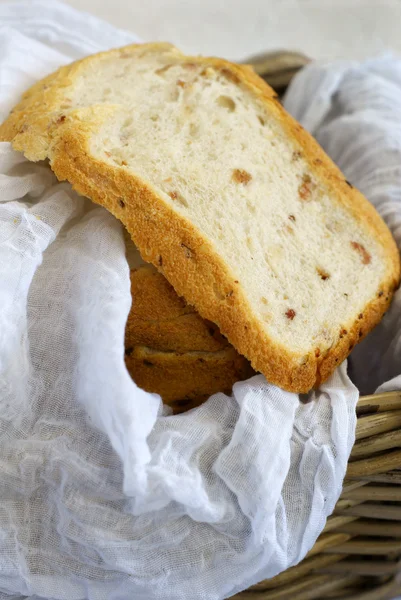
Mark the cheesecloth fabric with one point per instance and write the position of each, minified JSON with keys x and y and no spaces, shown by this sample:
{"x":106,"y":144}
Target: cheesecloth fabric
{"x":103,"y":493}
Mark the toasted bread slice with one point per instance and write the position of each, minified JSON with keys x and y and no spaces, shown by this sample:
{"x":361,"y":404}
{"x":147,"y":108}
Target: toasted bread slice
{"x":162,"y":320}
{"x":224,"y":193}
{"x":170,"y":350}
{"x":186,"y":380}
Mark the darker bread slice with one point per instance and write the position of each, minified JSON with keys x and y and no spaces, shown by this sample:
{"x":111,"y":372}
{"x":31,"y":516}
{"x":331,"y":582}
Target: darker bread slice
{"x":224,"y":193}
{"x":170,"y":350}
{"x":185,"y":380}
{"x":162,"y":320}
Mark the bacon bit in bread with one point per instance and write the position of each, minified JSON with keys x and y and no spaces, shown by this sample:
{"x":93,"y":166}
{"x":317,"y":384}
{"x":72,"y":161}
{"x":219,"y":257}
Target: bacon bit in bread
{"x":181,"y":83}
{"x":290,"y":314}
{"x":241,"y":176}
{"x":296,"y":155}
{"x":323,"y":274}
{"x":306,"y":187}
{"x":292,"y":218}
{"x":364,"y":254}
{"x":317,"y":352}
{"x":173,"y":195}
{"x":61,"y":119}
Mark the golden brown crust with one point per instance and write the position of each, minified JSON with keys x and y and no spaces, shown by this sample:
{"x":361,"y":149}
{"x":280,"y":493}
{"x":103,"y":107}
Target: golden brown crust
{"x":170,"y":350}
{"x":186,"y":380}
{"x":161,"y":320}
{"x":39,"y":128}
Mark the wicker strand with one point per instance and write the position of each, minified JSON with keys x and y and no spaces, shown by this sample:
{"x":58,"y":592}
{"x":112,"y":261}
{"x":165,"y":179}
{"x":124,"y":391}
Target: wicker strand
{"x":358,"y":556}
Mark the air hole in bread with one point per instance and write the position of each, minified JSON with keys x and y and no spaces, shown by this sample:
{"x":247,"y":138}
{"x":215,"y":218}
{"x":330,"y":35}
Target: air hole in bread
{"x":226,"y":102}
{"x":250,"y":206}
{"x":263,"y":300}
{"x":193,"y":129}
{"x":179,"y":198}
{"x":128,"y":122}
{"x":261,"y":121}
{"x":249,"y":243}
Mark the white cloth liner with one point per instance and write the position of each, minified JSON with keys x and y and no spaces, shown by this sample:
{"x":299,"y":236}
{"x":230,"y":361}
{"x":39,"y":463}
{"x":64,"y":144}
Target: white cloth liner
{"x":104,"y":494}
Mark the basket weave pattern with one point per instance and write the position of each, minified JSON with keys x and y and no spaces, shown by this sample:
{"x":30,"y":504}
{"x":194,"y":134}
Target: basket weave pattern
{"x":358,"y":555}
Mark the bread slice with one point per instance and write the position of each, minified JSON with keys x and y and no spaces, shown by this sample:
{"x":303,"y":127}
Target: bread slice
{"x":170,"y":350}
{"x":163,"y":321}
{"x":186,"y":380}
{"x":225,"y":194}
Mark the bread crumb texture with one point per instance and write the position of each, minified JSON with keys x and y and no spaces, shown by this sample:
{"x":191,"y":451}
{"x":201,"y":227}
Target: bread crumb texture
{"x":224,"y":192}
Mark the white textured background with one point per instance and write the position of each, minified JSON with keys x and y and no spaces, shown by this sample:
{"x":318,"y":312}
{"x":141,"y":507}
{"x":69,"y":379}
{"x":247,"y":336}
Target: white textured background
{"x":235,"y":29}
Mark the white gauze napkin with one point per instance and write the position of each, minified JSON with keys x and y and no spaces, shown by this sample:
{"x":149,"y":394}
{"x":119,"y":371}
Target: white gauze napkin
{"x":104,"y":494}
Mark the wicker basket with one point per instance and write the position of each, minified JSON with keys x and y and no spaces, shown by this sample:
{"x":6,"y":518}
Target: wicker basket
{"x":358,"y":555}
